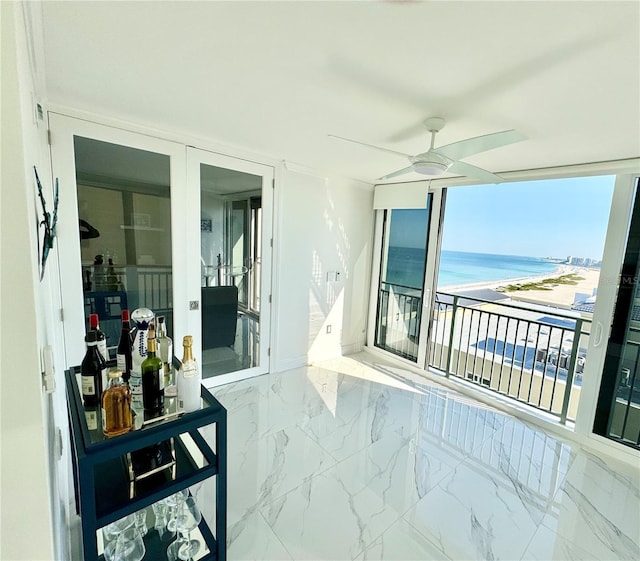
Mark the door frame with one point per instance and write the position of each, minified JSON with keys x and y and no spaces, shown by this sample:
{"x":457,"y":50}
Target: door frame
{"x":63,"y":129}
{"x":195,"y":157}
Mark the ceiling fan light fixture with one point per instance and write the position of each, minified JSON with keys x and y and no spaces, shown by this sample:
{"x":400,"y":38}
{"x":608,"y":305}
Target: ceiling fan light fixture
{"x":430,"y":168}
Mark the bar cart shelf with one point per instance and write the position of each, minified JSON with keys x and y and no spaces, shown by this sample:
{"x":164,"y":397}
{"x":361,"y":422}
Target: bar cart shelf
{"x":102,"y":484}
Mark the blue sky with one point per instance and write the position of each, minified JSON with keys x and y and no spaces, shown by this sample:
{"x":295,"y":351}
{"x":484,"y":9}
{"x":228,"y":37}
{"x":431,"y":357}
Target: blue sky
{"x":550,"y":218}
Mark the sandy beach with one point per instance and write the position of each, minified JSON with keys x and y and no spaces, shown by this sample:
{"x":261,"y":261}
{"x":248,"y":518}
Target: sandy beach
{"x":560,"y":295}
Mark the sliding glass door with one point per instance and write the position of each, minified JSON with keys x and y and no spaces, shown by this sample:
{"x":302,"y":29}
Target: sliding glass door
{"x":233,"y":199}
{"x":617,"y":413}
{"x":406,"y":256}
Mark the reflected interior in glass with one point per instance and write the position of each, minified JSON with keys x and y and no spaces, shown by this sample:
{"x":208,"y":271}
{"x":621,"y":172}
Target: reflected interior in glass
{"x":230,"y":249}
{"x":124,"y":211}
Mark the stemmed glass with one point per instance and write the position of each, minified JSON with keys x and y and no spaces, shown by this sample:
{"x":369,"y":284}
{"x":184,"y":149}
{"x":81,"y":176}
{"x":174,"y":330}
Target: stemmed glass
{"x":160,"y":513}
{"x":129,"y":546}
{"x":189,"y":516}
{"x":173,"y":502}
{"x":111,"y":533}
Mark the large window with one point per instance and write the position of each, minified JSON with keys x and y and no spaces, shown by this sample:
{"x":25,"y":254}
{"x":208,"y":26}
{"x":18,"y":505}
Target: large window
{"x":510,"y":305}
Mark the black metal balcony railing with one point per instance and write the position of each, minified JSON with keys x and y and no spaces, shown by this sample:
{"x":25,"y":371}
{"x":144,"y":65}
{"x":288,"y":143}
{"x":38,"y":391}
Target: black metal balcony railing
{"x":534,"y":355}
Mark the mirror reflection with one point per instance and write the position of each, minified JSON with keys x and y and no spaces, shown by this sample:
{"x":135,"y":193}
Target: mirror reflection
{"x":230,"y":252}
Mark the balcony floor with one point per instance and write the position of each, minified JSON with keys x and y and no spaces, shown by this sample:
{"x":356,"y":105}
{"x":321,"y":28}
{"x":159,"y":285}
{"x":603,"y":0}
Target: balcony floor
{"x":345,"y":461}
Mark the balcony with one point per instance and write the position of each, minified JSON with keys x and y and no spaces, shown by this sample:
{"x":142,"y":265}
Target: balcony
{"x":534,"y":355}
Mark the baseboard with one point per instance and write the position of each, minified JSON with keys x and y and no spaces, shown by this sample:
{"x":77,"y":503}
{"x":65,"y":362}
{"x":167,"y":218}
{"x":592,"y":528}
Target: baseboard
{"x":289,"y":363}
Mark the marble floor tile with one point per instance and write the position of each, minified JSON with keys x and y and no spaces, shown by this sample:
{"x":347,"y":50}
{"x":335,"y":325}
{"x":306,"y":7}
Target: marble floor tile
{"x":255,"y":541}
{"x":476,"y":513}
{"x":598,"y":508}
{"x":322,"y":519}
{"x":402,"y":542}
{"x":397,"y":468}
{"x":268,"y":468}
{"x":546,"y":545}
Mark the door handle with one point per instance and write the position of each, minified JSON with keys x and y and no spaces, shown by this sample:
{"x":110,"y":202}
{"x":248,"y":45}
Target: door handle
{"x":599,"y":330}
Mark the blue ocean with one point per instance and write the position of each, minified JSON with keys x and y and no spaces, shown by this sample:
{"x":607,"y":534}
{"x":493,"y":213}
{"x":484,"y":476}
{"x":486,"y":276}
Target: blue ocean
{"x":405,"y":266}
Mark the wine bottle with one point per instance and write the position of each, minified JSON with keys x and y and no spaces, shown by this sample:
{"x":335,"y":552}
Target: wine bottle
{"x":165,"y":352}
{"x":116,"y":405}
{"x":123,"y":354}
{"x":101,"y":338}
{"x":152,"y":377}
{"x":91,"y":371}
{"x":189,"y":378}
{"x":102,"y":344}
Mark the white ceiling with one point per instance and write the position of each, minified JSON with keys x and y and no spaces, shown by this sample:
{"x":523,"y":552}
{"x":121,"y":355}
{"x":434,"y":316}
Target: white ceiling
{"x":277,"y":77}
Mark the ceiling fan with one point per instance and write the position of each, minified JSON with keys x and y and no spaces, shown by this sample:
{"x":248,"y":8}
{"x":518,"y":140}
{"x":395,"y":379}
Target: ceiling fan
{"x":436,"y":161}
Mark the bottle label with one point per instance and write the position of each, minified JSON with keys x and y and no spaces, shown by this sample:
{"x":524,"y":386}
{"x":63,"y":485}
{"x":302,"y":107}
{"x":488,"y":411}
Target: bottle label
{"x":135,"y":382}
{"x":121,"y":363}
{"x":102,"y":347}
{"x":88,"y":385}
{"x":92,"y":419}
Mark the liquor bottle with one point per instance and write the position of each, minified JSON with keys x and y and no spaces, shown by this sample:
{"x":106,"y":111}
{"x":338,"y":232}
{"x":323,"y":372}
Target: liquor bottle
{"x":152,"y":377}
{"x":91,"y":372}
{"x":123,"y":354}
{"x":165,"y":352}
{"x":141,"y":318}
{"x":102,"y":344}
{"x":116,"y":406}
{"x":188,"y":378}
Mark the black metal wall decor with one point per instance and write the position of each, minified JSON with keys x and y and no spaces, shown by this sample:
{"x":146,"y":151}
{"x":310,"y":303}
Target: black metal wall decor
{"x":49,"y":224}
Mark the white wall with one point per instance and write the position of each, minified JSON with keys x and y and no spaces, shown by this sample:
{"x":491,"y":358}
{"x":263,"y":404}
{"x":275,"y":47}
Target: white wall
{"x":31,"y":474}
{"x":324,"y":226}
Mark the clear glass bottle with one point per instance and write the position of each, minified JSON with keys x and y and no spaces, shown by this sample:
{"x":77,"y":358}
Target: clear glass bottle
{"x":165,"y":352}
{"x":116,"y":406}
{"x":152,"y":377}
{"x":91,"y":372}
{"x":189,"y":378}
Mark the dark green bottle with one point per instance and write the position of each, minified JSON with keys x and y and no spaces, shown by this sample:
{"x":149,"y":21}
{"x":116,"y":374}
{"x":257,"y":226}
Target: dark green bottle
{"x":152,"y":377}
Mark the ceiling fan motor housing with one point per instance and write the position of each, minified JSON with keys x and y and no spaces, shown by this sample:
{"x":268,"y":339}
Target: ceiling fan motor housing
{"x":430,"y":163}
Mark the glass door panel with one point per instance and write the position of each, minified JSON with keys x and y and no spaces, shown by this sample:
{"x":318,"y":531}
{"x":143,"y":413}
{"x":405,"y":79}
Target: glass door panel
{"x":117,"y":220}
{"x":402,"y":271}
{"x":407,"y":247}
{"x":124,"y":211}
{"x":234,"y":327}
{"x":618,"y":408}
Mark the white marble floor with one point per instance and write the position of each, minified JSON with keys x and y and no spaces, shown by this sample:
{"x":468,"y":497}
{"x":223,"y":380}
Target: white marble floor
{"x":342,"y":461}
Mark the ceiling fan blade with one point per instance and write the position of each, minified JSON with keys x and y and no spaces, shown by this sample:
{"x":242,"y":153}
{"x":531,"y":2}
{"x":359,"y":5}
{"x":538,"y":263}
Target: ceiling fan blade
{"x":473,"y":171}
{"x":371,"y":146}
{"x":470,"y":146}
{"x":396,"y":173}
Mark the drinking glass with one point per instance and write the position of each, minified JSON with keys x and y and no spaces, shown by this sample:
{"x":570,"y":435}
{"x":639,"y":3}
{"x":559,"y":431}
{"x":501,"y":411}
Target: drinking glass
{"x":173,"y":502}
{"x":141,"y":521}
{"x":111,"y":531}
{"x":188,"y":519}
{"x":129,"y":546}
{"x":160,"y":513}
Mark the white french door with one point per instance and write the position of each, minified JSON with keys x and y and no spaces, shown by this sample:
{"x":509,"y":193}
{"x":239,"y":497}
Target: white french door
{"x":121,"y":229}
{"x":229,"y":263}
